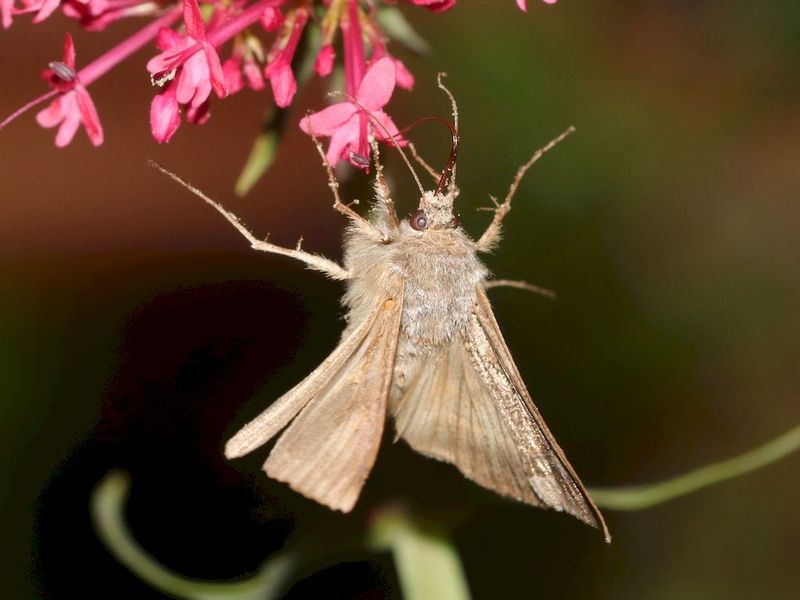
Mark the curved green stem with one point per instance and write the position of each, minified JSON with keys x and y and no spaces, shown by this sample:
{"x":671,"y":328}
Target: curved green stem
{"x":108,"y":517}
{"x":644,"y":496}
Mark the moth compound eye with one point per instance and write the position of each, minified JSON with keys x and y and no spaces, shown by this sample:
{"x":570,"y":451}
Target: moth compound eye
{"x":418,"y":220}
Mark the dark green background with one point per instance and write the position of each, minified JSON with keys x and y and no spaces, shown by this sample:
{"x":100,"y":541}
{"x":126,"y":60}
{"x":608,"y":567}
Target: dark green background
{"x":139,"y":331}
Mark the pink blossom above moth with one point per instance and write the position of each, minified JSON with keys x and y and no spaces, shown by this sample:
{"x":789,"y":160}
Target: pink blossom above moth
{"x":265,"y":36}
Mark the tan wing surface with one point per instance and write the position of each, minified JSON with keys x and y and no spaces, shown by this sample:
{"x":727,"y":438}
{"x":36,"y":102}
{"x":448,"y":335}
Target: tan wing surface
{"x":280,"y":413}
{"x":467,"y":405}
{"x":328,"y":451}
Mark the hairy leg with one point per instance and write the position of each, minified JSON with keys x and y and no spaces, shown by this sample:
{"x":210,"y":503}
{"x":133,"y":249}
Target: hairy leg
{"x":313,"y":261}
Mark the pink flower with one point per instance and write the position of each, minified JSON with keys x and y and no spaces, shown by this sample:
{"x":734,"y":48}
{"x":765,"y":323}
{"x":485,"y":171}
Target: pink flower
{"x":191,"y":66}
{"x":201,"y":70}
{"x":165,"y":114}
{"x":272,"y":19}
{"x":42,"y":8}
{"x":64,"y":80}
{"x":355,"y":63}
{"x":232,"y":71}
{"x":323,"y":65}
{"x":253,"y":75}
{"x":403,"y":76}
{"x":347,"y":125}
{"x":279,"y":70}
{"x":523,"y":4}
{"x":437,"y":5}
{"x":74,"y":107}
{"x":96,"y":15}
{"x":237,"y":66}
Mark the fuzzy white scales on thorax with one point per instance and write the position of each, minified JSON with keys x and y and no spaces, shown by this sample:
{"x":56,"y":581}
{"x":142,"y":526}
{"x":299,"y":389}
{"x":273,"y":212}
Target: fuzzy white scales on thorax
{"x":440,"y":272}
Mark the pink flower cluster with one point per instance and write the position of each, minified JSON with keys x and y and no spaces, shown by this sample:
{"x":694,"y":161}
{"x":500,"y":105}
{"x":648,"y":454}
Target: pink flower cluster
{"x":265,"y":36}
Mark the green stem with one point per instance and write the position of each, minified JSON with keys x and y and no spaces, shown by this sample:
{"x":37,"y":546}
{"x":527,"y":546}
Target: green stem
{"x":645,"y":496}
{"x":107,"y":510}
{"x":427,"y":563}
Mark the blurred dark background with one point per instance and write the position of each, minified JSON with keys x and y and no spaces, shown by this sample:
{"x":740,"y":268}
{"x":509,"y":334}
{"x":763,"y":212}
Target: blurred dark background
{"x":139,"y":331}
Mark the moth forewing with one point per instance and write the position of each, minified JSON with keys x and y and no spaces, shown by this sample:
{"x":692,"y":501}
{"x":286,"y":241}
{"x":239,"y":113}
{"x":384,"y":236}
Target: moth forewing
{"x":337,"y":413}
{"x":553,"y":479}
{"x":280,"y":413}
{"x":464,"y":403}
{"x":328,"y":451}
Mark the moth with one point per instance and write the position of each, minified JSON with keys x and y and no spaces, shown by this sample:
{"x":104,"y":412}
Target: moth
{"x":421,"y":344}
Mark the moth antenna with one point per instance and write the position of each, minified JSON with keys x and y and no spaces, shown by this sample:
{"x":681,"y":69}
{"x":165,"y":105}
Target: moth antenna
{"x":390,"y":135}
{"x":449,"y":173}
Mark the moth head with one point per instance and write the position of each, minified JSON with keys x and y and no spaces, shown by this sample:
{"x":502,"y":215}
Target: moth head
{"x":435,"y":212}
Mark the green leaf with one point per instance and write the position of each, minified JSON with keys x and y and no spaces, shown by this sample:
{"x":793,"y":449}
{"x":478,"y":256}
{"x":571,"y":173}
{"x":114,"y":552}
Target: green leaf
{"x":394,"y":23}
{"x":261,"y":157}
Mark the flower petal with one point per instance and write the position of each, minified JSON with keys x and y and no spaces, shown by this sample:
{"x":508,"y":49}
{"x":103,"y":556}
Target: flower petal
{"x":52,"y":115}
{"x":378,"y":84}
{"x":404,"y":77}
{"x":436,"y":5}
{"x":387,"y":131}
{"x":253,"y":75}
{"x":182,"y":51}
{"x":329,"y":120}
{"x":89,"y":116}
{"x":193,"y":20}
{"x":69,"y":52}
{"x":215,"y":70}
{"x":165,"y":115}
{"x":47,"y":8}
{"x":323,"y":64}
{"x":66,"y":132}
{"x":198,"y":114}
{"x":342,"y":143}
{"x":191,"y":78}
{"x":167,"y":38}
{"x":6,"y":10}
{"x":233,"y":76}
{"x":284,"y":85}
{"x":271,"y":19}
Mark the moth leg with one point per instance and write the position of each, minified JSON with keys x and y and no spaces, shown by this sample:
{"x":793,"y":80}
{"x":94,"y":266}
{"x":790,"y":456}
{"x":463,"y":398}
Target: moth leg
{"x":333,"y":183}
{"x":520,"y":285}
{"x":313,"y":261}
{"x":491,"y":236}
{"x":384,"y":193}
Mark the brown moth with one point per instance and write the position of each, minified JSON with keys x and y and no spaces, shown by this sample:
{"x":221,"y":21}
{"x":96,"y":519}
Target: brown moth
{"x":422,"y":344}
